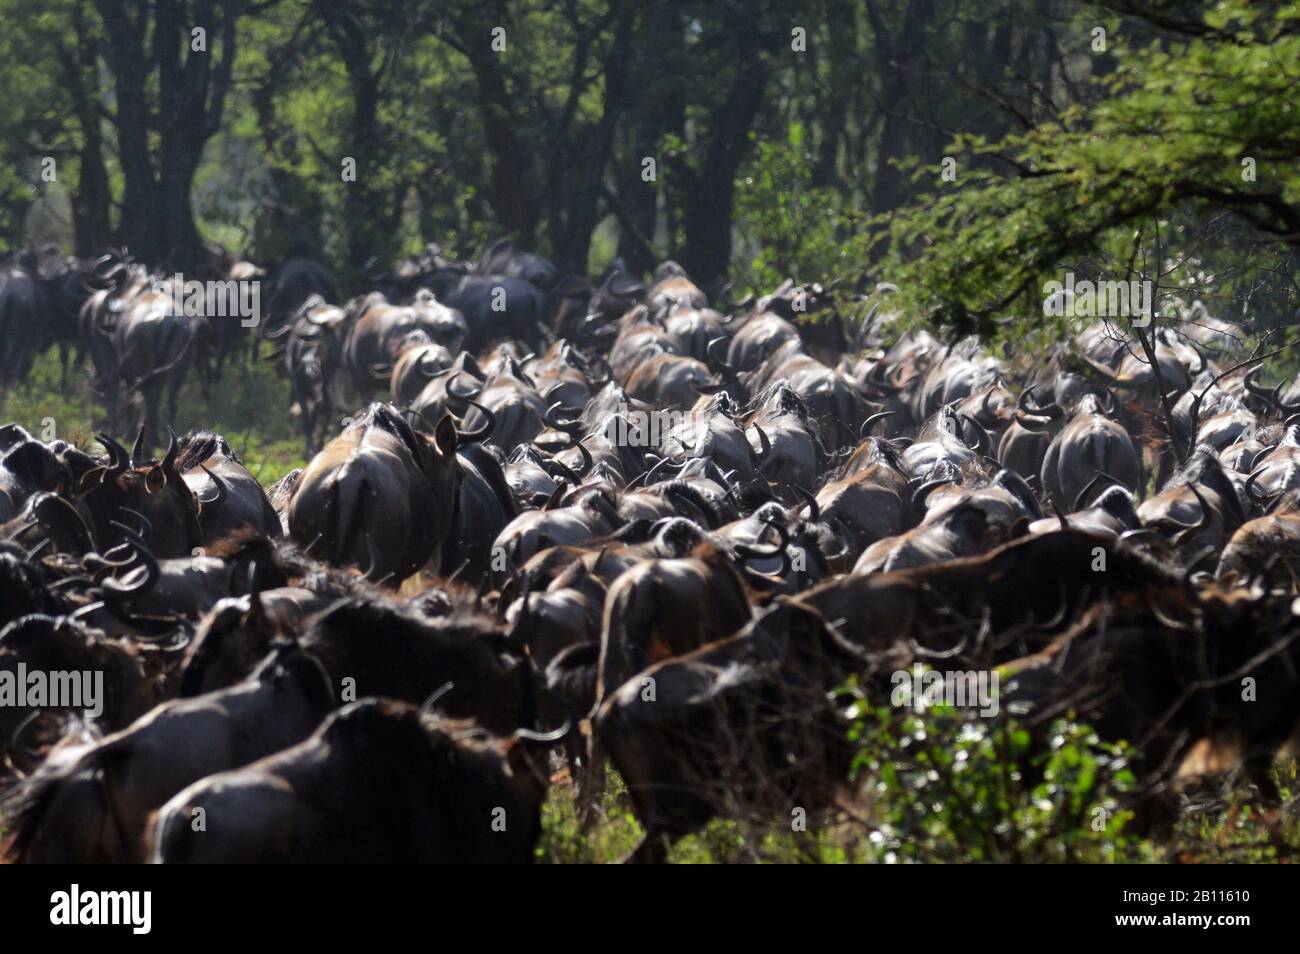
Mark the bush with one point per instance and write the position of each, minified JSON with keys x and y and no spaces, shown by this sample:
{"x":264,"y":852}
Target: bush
{"x":942,"y":787}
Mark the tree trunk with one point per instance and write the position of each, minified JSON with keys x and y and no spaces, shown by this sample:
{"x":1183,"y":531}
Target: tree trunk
{"x":710,"y":191}
{"x":660,"y":108}
{"x":92,"y":225}
{"x":140,"y":198}
{"x":893,"y":55}
{"x":579,"y":188}
{"x":513,"y":203}
{"x":157,"y":216}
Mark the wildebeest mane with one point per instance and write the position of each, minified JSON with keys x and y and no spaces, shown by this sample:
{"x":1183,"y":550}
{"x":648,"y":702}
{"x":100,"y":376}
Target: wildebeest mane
{"x":198,"y":446}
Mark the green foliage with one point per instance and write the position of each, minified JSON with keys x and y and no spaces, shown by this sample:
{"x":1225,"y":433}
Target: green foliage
{"x":947,"y":788}
{"x":614,"y":832}
{"x":249,"y":407}
{"x":1233,"y":827}
{"x":611,"y":837}
{"x":794,"y":229}
{"x":1167,"y":138}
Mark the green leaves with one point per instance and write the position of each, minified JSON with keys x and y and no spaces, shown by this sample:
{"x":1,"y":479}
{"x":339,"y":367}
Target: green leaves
{"x":948,"y":788}
{"x":795,"y":229}
{"x":1167,"y":137}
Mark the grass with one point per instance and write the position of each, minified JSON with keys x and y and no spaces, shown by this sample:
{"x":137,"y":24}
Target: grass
{"x":615,"y":832}
{"x":1229,"y":828}
{"x":249,"y":407}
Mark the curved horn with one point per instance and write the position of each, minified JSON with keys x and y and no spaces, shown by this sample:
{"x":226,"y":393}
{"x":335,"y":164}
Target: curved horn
{"x":1195,"y":413}
{"x":546,"y":738}
{"x":169,"y":459}
{"x":550,"y":463}
{"x":452,"y":390}
{"x":1141,"y":533}
{"x":720,"y":362}
{"x":434,"y":696}
{"x":1083,"y":494}
{"x":924,"y":491}
{"x":1190,"y":530}
{"x":553,"y":420}
{"x":1052,"y":411}
{"x":124,"y":590}
{"x":1019,"y":488}
{"x":97,"y":266}
{"x":985,"y":411}
{"x":747,"y":552}
{"x":553,"y":501}
{"x":981,"y":436}
{"x":426,"y":366}
{"x":664,"y":463}
{"x":469,"y":437}
{"x":1260,"y":499}
{"x":814,"y":509}
{"x":119,"y":459}
{"x":222,"y":491}
{"x":146,"y":526}
{"x":587,"y":461}
{"x":878,"y":378}
{"x":1251,"y":387}
{"x":137,"y":449}
{"x":865,"y":430}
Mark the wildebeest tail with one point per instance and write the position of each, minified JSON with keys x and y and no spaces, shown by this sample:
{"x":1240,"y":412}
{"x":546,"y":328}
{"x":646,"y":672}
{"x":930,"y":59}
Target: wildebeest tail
{"x":1099,"y":451}
{"x":571,"y":675}
{"x":24,"y":808}
{"x":345,"y":502}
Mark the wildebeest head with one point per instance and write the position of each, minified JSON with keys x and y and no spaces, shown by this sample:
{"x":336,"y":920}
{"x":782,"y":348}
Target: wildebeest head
{"x":148,"y":499}
{"x":63,"y":644}
{"x":399,"y":653}
{"x":28,"y":467}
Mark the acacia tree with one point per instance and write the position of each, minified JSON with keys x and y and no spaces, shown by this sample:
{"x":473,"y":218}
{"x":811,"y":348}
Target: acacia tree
{"x":1197,"y":122}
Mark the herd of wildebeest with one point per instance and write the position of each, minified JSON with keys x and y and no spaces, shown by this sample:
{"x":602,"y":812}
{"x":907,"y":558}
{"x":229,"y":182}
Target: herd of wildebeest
{"x":611,"y":523}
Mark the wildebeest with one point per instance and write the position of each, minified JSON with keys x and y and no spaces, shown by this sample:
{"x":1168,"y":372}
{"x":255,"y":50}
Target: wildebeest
{"x":711,"y":534}
{"x":92,"y":805}
{"x":379,"y":496}
{"x":403,"y":788}
{"x":40,"y":295}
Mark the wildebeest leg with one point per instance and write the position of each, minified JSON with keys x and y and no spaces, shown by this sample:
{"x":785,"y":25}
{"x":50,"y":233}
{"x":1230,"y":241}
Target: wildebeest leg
{"x":592,"y":787}
{"x":206,"y":376}
{"x":573,"y":755}
{"x":653,"y":849}
{"x":308,"y":419}
{"x":219,"y":362}
{"x":177,"y":379}
{"x":174,"y":382}
{"x":112,"y":402}
{"x":1258,"y":769}
{"x":149,"y":398}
